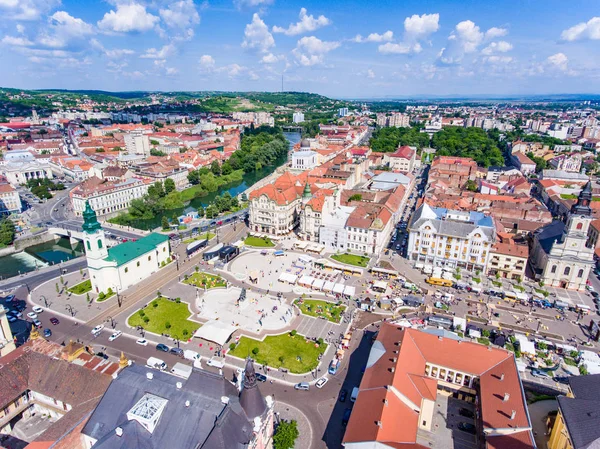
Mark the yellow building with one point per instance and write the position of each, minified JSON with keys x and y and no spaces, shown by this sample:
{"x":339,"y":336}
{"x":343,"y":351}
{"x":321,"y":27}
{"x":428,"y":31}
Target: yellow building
{"x":577,"y":424}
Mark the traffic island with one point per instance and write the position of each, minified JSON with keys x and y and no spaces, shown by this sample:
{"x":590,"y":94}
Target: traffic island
{"x":290,"y":351}
{"x":165,"y":316}
{"x":205,"y":280}
{"x":321,"y":309}
{"x":259,"y":242}
{"x":352,"y":259}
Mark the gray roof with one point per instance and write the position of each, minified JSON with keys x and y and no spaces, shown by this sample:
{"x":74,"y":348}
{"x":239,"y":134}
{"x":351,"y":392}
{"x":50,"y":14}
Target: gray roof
{"x":587,"y":387}
{"x":206,"y":423}
{"x":251,"y":399}
{"x":550,"y":234}
{"x":437,"y":217}
{"x":582,"y":417}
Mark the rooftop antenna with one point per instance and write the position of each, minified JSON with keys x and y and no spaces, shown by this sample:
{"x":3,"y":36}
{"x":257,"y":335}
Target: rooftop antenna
{"x":282,"y":82}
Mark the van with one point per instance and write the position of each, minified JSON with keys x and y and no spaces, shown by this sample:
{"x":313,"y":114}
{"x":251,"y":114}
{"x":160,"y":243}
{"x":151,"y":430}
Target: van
{"x":217,"y":362}
{"x":177,"y":351}
{"x":188,"y":354}
{"x":354,"y":394}
{"x":156,"y":363}
{"x":346,"y":417}
{"x":302,"y":386}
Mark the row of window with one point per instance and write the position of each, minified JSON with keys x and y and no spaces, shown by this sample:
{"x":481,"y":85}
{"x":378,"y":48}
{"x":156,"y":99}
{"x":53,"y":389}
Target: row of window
{"x":567,"y":271}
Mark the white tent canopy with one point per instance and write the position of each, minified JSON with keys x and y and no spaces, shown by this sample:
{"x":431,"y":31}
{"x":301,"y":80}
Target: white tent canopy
{"x":318,"y":284}
{"x":306,"y":280}
{"x":328,"y":286}
{"x":288,"y":277}
{"x":216,"y":331}
{"x":349,"y":290}
{"x":338,"y":288}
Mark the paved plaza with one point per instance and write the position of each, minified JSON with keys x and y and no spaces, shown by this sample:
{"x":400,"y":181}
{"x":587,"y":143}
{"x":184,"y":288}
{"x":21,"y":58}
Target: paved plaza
{"x":258,"y":312}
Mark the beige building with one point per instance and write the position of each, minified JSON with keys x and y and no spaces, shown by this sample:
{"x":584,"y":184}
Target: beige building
{"x":107,"y":197}
{"x":403,"y":159}
{"x":509,"y":260}
{"x":10,"y":201}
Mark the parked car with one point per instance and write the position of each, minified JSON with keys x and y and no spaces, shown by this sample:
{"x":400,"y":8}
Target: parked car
{"x":467,"y":427}
{"x":161,"y":347}
{"x":466,"y":413}
{"x":321,"y":382}
{"x":32,"y":315}
{"x":54,"y":321}
{"x":540,"y":374}
{"x":343,"y":395}
{"x":37,"y":323}
{"x":115,"y":335}
{"x":261,"y":377}
{"x":12,"y":319}
{"x":302,"y":386}
{"x":16,"y":314}
{"x":177,"y":351}
{"x":37,"y":309}
{"x":562,"y":380}
{"x":142,"y":342}
{"x":97,"y":329}
{"x":346,"y":417}
{"x":47,"y":333}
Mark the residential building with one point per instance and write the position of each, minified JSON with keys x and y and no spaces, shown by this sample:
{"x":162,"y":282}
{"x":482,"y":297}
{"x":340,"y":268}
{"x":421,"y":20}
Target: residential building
{"x":145,"y":408}
{"x":395,"y":119}
{"x":403,"y":159}
{"x":74,"y":168}
{"x":576,"y":423}
{"x":10,"y":201}
{"x":107,"y":197}
{"x":452,"y":172}
{"x":523,"y":163}
{"x":562,"y":254}
{"x":403,"y":397}
{"x":342,"y":112}
{"x":568,"y":163}
{"x":258,"y":118}
{"x":137,"y":143}
{"x":451,"y":238}
{"x":158,"y":169}
{"x":298,"y":117}
{"x":7,"y":342}
{"x":508,"y":259}
{"x":123,"y":265}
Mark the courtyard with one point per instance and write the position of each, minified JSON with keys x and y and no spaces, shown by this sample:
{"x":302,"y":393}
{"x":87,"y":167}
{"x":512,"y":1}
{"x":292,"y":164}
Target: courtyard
{"x":164,"y":316}
{"x":256,"y":313}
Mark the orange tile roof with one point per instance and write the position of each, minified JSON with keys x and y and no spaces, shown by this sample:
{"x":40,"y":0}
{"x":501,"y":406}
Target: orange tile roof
{"x":519,"y":440}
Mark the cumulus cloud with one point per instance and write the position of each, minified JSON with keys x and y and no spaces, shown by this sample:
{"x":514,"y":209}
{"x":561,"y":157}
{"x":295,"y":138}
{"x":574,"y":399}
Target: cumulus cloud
{"x":26,"y":9}
{"x":370,"y":74}
{"x":64,"y":29}
{"x":498,"y":59}
{"x":584,"y":30}
{"x":306,"y":24}
{"x":375,"y":37}
{"x":495,"y":32}
{"x":559,"y":61}
{"x":269,"y":58}
{"x":417,"y":28}
{"x":252,"y":3}
{"x":129,"y":17}
{"x":16,"y":41}
{"x":163,"y":53}
{"x":181,"y":14}
{"x":497,"y":47}
{"x":114,"y":53}
{"x":207,"y":62}
{"x":395,"y":48}
{"x":311,"y":50}
{"x":466,"y":38}
{"x":20,"y":28}
{"x":257,"y":35}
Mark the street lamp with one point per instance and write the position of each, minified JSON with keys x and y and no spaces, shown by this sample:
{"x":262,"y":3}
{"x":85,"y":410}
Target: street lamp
{"x":119,"y":300}
{"x":112,"y":322}
{"x":69,"y":307}
{"x":141,"y":330}
{"x":43,"y":298}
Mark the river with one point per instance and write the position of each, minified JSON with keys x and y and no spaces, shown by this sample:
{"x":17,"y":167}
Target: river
{"x":50,"y":253}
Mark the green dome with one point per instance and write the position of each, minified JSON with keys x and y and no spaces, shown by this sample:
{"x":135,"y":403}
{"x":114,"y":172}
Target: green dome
{"x":90,"y":221}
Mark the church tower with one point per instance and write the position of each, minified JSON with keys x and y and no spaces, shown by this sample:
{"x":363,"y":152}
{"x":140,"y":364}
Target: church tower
{"x":580,"y":217}
{"x":94,"y":240}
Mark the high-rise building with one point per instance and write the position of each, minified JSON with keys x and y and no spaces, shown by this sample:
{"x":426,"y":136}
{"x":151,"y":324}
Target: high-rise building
{"x":137,"y":143}
{"x":343,"y":112}
{"x":298,"y":117}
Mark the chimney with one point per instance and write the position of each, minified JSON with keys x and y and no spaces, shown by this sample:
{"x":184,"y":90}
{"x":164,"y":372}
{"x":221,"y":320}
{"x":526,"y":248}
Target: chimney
{"x":385,"y":401}
{"x":513,"y":414}
{"x":502,"y":376}
{"x":506,"y":397}
{"x":440,"y":338}
{"x":187,"y":403}
{"x":179,"y":385}
{"x":379,"y":423}
{"x":392,"y":369}
{"x":149,"y":376}
{"x":119,"y":431}
{"x":225,"y":400}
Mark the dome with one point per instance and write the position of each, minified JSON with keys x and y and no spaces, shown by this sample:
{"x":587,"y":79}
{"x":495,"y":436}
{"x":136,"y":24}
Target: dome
{"x":305,"y":143}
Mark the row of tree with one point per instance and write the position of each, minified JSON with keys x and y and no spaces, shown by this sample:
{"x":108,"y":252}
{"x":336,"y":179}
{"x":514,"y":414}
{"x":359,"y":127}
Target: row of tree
{"x":42,"y":187}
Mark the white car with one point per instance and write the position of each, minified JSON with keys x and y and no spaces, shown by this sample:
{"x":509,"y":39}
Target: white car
{"x":321,"y":382}
{"x":37,"y":309}
{"x":32,"y":315}
{"x":142,"y":342}
{"x":115,"y":335}
{"x":98,"y":329}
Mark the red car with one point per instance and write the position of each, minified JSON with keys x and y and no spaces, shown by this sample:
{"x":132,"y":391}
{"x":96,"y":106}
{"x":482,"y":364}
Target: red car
{"x":54,"y":321}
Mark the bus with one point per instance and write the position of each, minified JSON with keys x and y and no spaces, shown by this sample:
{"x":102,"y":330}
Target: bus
{"x":441,"y":321}
{"x":440,"y":282}
{"x":195,"y":246}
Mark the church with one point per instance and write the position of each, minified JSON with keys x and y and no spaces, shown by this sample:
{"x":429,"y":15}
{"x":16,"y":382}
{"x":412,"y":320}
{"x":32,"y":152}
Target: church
{"x":124,"y":265}
{"x":562,"y":253}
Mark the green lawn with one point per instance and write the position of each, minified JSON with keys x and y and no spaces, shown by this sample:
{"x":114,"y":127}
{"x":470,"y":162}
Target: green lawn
{"x":261,"y":242}
{"x":165,"y":312}
{"x":273,"y":349}
{"x":81,"y":288}
{"x":200,"y":237}
{"x":106,"y":296}
{"x":352,"y":259}
{"x":203,"y":279}
{"x":317,"y":308}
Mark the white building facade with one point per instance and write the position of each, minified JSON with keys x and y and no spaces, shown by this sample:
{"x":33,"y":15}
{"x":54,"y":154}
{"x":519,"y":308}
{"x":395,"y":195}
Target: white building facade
{"x":109,"y":197}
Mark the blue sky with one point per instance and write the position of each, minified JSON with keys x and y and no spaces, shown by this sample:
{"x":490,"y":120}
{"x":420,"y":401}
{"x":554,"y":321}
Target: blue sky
{"x":341,"y":49}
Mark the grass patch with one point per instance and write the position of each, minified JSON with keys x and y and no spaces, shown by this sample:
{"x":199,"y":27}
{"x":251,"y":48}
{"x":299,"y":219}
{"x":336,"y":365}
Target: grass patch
{"x":167,"y":317}
{"x":352,"y":259}
{"x":483,"y":341}
{"x":497,"y":284}
{"x":261,"y":242}
{"x":519,"y":288}
{"x":533,"y":397}
{"x":569,"y":361}
{"x":317,"y":308}
{"x":81,"y":288}
{"x":205,"y":280}
{"x":106,"y":296}
{"x":207,"y":236}
{"x":543,"y":292}
{"x":282,"y":351}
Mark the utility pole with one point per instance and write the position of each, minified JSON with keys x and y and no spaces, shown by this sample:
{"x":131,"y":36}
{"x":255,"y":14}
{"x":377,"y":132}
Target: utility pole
{"x":282,"y":82}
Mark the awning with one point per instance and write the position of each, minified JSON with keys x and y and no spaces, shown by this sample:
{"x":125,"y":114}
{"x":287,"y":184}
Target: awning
{"x":328,"y":286}
{"x":338,"y":288}
{"x":305,"y":259}
{"x":216,"y":331}
{"x":349,"y":290}
{"x":288,"y":277}
{"x":306,"y":280}
{"x":418,"y":265}
{"x":522,"y":296}
{"x":279,"y":253}
{"x":381,"y":285}
{"x":318,"y":284}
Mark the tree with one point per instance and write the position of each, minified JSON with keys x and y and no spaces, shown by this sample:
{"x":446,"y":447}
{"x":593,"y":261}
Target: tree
{"x":194,"y":177}
{"x":355,"y":197}
{"x":215,"y":168}
{"x":7,"y":232}
{"x":286,"y":434}
{"x":226,"y":168}
{"x":169,"y":185}
{"x":471,"y":185}
{"x":165,"y":223}
{"x":154,"y":152}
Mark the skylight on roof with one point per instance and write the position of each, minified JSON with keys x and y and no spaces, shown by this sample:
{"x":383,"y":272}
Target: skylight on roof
{"x":147,"y":411}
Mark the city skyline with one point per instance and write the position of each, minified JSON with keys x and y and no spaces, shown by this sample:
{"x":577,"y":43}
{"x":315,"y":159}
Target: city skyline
{"x":344,"y":50}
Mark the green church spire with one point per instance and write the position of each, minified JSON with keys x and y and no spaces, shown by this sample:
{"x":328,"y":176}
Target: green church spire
{"x":90,"y":221}
{"x":306,"y":193}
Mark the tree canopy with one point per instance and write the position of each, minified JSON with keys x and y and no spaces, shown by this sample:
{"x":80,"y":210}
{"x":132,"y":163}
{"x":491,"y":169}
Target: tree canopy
{"x":468,"y":142}
{"x":285,"y":435}
{"x":387,"y":140}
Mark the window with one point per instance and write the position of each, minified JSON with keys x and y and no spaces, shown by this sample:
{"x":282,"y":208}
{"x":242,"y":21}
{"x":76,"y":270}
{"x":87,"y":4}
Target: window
{"x":553,"y":270}
{"x":149,"y":258}
{"x":567,"y":270}
{"x":89,"y":246}
{"x":126,"y":269}
{"x":99,"y":243}
{"x":138,"y":263}
{"x":580,"y":274}
{"x":579,"y":226}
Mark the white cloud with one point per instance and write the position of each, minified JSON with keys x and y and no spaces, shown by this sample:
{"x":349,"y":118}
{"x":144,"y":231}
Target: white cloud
{"x":370,"y":74}
{"x":420,"y":27}
{"x":207,"y":62}
{"x":257,"y":35}
{"x":559,"y":61}
{"x":584,"y":30}
{"x":180,"y":14}
{"x":495,"y":32}
{"x":311,"y":50}
{"x":497,"y":47}
{"x":17,"y":41}
{"x":163,"y":53}
{"x":20,"y":28}
{"x":269,"y":58}
{"x":375,"y":37}
{"x":114,"y":53}
{"x":252,"y":3}
{"x":497,"y":59}
{"x":26,"y":9}
{"x":468,"y":35}
{"x":306,"y":24}
{"x":394,"y":48}
{"x":129,"y":17}
{"x":169,"y":71}
{"x":64,"y":29}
